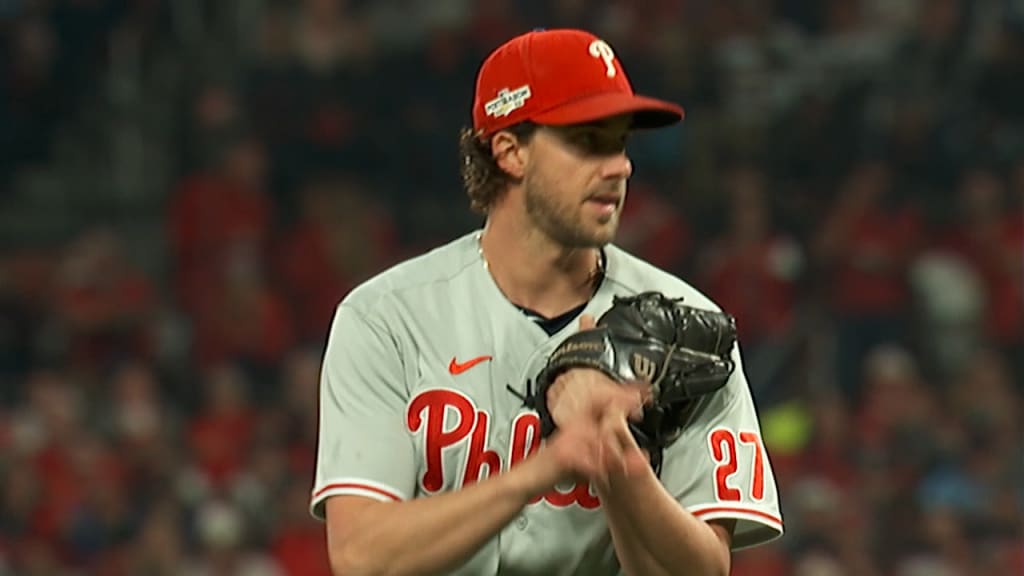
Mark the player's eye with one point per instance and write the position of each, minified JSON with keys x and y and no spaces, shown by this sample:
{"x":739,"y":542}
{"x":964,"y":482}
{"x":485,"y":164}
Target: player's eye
{"x":586,"y":140}
{"x":594,"y":141}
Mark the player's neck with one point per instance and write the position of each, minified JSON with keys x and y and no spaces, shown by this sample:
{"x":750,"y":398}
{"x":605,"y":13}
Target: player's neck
{"x":537,"y":273}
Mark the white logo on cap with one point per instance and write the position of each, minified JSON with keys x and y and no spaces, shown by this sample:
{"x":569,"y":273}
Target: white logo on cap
{"x":601,"y":49}
{"x":507,"y":101}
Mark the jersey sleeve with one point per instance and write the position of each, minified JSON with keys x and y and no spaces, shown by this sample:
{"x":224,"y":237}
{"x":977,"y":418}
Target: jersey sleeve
{"x":363,"y":448}
{"x":719,"y":467}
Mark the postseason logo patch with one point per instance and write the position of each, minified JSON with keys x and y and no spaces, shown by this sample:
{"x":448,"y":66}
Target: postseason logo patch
{"x":507,"y":101}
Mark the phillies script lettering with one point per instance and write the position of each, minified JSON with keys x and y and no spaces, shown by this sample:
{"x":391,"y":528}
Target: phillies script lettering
{"x":448,"y":417}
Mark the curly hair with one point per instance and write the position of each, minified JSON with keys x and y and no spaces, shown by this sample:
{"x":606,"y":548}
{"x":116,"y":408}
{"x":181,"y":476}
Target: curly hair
{"x":482,"y":178}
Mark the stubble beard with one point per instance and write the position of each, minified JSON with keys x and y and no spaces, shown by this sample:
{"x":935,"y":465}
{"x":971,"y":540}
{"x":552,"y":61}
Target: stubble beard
{"x":564,"y":222}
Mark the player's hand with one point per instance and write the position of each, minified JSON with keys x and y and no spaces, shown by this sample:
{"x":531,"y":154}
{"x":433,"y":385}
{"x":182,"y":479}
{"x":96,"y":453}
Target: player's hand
{"x":569,"y":455}
{"x":582,"y":452}
{"x":601,"y":456}
{"x":588,"y":395}
{"x":587,"y":400}
{"x":619,"y":455}
{"x":575,"y":453}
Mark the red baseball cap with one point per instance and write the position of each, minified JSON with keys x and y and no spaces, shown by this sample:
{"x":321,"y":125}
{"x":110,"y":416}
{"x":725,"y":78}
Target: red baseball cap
{"x":560,"y":77}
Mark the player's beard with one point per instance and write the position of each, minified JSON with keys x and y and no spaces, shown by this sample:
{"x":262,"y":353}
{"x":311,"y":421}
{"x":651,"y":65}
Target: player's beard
{"x":563,"y":220}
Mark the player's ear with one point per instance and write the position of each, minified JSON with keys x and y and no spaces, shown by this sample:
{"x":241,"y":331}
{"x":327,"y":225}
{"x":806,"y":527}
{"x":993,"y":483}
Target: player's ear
{"x":509,"y":153}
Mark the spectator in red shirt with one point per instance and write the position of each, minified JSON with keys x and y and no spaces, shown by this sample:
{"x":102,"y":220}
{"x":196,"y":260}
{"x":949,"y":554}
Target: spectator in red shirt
{"x":989,"y":237}
{"x":51,"y":427}
{"x":299,"y":546}
{"x":831,"y":451}
{"x":751,"y":271}
{"x":865,"y":247}
{"x":898,"y":406}
{"x":105,"y":304}
{"x":105,"y":516}
{"x":216,"y":213}
{"x":342,"y":238}
{"x":143,"y":423}
{"x":220,"y":435}
{"x":241,"y":318}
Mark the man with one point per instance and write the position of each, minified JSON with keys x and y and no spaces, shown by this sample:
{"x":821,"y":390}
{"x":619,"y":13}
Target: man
{"x":428,"y":460}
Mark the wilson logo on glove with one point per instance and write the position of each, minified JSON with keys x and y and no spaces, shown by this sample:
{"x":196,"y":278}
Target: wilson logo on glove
{"x":644,"y":367}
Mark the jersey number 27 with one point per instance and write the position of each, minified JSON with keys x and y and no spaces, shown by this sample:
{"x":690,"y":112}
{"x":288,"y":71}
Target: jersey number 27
{"x":726,"y":448}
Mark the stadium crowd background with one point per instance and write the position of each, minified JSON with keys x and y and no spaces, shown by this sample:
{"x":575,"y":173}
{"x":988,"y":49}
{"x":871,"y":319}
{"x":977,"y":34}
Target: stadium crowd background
{"x":188,"y":187}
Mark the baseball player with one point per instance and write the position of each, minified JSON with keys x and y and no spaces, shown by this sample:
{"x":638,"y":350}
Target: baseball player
{"x":430,"y":462}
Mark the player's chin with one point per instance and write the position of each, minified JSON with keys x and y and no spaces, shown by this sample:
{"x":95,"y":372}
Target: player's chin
{"x":608,"y":220}
{"x":602,"y":231}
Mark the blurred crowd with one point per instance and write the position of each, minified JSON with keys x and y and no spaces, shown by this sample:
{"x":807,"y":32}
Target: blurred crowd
{"x":848,"y":182}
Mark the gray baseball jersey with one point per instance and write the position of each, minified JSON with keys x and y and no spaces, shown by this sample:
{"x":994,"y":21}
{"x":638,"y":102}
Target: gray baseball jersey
{"x":415,"y":401}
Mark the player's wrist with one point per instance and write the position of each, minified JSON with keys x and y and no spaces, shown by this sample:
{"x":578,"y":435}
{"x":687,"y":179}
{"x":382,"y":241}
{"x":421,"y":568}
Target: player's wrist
{"x":622,"y":484}
{"x":534,"y":477}
{"x":523,"y":483}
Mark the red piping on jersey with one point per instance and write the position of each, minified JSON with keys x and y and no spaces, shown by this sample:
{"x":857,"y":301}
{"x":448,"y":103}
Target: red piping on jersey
{"x":743,"y":510}
{"x":346,"y":485}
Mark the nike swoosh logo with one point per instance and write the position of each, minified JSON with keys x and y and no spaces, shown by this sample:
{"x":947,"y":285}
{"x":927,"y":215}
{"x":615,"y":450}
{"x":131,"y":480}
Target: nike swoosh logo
{"x":458,"y":368}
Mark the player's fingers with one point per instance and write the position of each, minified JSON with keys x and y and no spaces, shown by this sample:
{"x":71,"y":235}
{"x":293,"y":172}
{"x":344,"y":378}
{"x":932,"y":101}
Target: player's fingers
{"x":634,"y":458}
{"x":555,"y":391}
{"x":564,"y":402}
{"x":574,"y":451}
{"x":600,"y":481}
{"x":593,"y":464}
{"x":581,"y":395}
{"x":642,"y":388}
{"x":612,"y":448}
{"x":575,"y":394}
{"x":587,"y":322}
{"x":626,"y":403}
{"x":625,"y":436}
{"x":636,"y":414}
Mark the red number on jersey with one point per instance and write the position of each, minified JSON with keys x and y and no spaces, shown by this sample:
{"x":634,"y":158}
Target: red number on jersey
{"x":724,"y":452}
{"x":757,"y":483}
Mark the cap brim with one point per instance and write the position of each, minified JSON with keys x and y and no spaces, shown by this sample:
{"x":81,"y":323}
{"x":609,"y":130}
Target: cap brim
{"x":647,"y":112}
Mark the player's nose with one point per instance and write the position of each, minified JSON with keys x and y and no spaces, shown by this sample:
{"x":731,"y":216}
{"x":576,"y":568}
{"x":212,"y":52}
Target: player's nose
{"x":617,"y":166}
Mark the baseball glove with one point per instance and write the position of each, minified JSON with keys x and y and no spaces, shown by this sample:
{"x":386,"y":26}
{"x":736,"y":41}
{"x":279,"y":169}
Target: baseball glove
{"x":683,"y":353}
